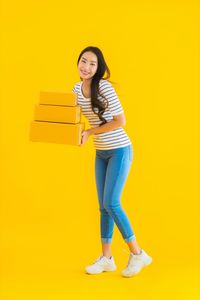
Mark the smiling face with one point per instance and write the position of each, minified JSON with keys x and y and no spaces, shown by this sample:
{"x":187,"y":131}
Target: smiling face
{"x":87,"y":65}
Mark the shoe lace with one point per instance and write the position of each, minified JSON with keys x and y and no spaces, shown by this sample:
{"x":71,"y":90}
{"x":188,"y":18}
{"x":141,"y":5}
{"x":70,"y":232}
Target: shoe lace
{"x":98,"y":259}
{"x":130,"y":262}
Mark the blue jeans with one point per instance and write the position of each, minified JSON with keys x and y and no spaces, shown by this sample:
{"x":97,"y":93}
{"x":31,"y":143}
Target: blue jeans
{"x":111,"y":171}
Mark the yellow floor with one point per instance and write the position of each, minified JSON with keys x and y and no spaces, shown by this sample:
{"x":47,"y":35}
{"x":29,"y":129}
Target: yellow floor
{"x":42,"y":271}
{"x":156,"y":282}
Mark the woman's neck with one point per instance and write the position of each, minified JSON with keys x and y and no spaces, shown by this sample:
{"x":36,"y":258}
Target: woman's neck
{"x":87,"y":82}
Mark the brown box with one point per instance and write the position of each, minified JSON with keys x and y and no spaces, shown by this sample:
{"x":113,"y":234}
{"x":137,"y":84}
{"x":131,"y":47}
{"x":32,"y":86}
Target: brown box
{"x":58,"y":98}
{"x":53,"y":113}
{"x":59,"y":133}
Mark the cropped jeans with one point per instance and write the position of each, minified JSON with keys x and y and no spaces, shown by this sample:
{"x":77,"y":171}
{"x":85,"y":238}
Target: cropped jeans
{"x":111,"y":171}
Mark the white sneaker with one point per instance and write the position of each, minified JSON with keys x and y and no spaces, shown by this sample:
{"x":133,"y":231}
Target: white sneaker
{"x":135,"y":263}
{"x":101,"y":264}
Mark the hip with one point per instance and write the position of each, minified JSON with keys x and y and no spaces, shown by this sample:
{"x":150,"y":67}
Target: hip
{"x":118,"y":152}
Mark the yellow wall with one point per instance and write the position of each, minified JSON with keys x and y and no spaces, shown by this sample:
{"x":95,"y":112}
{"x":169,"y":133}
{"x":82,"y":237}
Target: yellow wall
{"x":49,"y":214}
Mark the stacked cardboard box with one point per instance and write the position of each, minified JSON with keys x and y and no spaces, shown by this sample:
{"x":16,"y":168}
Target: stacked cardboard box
{"x":57,"y":119}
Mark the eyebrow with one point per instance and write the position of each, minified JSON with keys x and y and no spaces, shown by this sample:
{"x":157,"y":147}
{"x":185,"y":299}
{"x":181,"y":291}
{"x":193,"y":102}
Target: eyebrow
{"x":91,"y":60}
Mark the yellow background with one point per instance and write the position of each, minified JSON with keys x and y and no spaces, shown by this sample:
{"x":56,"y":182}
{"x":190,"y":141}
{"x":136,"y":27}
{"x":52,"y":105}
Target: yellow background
{"x":49,"y":214}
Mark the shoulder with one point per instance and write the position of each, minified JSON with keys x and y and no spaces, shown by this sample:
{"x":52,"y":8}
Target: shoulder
{"x":105,"y":83}
{"x":106,"y":88}
{"x":76,"y":86}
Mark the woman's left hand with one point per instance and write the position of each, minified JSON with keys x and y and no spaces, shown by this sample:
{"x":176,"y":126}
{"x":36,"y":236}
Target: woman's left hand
{"x":84,"y":136}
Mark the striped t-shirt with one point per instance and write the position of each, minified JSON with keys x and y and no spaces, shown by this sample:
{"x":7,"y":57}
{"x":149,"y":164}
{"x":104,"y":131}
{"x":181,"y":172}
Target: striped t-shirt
{"x":115,"y":138}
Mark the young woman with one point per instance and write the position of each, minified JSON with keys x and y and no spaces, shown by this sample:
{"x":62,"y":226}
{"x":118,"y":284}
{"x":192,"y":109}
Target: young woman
{"x":114,"y":153}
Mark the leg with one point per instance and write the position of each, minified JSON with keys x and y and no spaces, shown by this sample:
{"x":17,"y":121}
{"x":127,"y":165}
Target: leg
{"x":116,"y":175}
{"x":106,"y":221}
{"x":134,"y":247}
{"x":106,"y":249}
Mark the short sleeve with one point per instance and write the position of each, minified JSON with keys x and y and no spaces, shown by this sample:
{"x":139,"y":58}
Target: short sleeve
{"x":74,"y":88}
{"x":114,"y":104}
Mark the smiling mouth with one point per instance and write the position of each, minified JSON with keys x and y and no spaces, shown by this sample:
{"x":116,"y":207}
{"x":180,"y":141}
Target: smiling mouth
{"x":84,"y":73}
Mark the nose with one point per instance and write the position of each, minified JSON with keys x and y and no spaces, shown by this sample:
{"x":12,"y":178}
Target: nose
{"x":87,"y":68}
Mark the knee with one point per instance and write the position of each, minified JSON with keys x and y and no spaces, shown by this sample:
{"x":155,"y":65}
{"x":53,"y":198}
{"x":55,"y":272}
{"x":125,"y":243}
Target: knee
{"x":103,"y":210}
{"x":110,"y":207}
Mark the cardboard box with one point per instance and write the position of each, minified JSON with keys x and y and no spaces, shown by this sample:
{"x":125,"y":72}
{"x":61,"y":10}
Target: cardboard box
{"x":58,"y":98}
{"x":59,"y":133}
{"x":52,"y":113}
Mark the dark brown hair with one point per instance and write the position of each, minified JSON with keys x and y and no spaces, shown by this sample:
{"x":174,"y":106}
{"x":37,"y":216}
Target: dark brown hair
{"x":101,"y":69}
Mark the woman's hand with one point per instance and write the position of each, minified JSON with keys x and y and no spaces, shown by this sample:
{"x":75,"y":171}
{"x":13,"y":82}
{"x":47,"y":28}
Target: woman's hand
{"x":84,"y":136}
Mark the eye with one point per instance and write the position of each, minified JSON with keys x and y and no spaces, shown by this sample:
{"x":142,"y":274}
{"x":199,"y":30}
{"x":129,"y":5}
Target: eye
{"x":85,"y":61}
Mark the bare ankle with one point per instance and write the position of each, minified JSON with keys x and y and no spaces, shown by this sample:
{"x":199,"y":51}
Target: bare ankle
{"x":137,"y":252}
{"x":108,"y":256}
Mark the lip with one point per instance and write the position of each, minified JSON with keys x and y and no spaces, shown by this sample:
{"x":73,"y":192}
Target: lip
{"x":84,"y":73}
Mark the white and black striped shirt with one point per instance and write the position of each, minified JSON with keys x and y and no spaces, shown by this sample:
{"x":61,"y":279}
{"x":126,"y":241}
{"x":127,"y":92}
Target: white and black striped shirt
{"x":115,"y":138}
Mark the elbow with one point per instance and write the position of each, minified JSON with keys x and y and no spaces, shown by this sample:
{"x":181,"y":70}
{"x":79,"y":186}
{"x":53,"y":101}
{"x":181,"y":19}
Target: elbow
{"x":123,"y":122}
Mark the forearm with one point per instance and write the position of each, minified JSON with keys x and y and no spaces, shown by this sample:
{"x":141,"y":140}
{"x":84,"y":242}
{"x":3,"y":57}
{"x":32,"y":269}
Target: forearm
{"x":105,"y":127}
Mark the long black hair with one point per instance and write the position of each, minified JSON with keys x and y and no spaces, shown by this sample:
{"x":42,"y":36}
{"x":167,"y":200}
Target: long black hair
{"x":101,"y":69}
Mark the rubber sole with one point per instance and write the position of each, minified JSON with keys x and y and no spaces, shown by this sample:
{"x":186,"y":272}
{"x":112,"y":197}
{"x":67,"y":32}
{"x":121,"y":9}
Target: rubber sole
{"x":145,"y":265}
